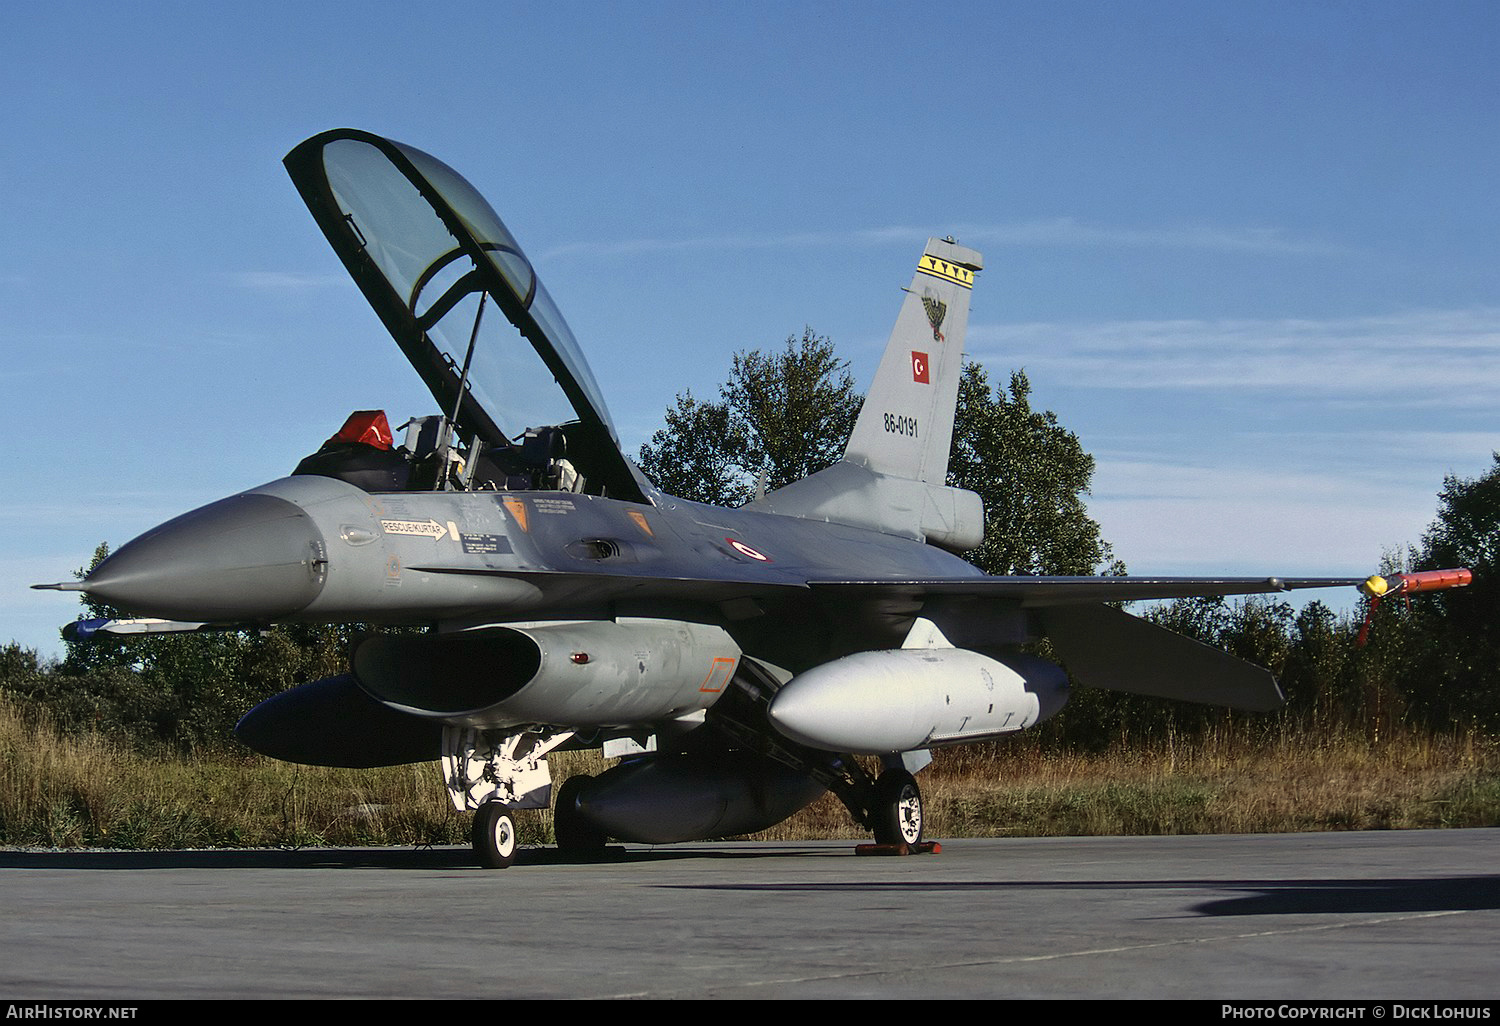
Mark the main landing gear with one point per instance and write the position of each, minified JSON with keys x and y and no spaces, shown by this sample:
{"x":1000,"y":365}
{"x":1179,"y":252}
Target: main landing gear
{"x":888,"y":805}
{"x":896,"y":809}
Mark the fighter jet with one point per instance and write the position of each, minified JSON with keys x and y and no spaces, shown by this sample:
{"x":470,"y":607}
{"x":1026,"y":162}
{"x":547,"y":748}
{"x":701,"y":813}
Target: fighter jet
{"x":736,"y":661}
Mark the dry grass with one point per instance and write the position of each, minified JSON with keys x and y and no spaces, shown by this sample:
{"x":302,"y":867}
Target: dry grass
{"x":71,"y":792}
{"x":1220,"y":784}
{"x":85,"y":792}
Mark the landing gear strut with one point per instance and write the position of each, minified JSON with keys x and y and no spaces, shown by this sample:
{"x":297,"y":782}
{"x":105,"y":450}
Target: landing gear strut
{"x":889,"y":806}
{"x":495,"y":772}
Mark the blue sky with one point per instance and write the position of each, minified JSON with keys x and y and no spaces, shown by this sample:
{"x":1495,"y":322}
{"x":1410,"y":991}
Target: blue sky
{"x":1247,"y":252}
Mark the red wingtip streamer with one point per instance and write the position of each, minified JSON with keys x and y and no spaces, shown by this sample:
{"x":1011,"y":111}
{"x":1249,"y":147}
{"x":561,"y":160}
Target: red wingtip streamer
{"x":1430,"y":580}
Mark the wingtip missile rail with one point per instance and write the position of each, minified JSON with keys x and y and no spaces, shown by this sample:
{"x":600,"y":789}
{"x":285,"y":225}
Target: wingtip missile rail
{"x":1378,"y":587}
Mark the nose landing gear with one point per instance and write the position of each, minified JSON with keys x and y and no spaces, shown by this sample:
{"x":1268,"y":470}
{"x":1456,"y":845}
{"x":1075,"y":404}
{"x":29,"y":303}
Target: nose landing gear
{"x":494,"y":835}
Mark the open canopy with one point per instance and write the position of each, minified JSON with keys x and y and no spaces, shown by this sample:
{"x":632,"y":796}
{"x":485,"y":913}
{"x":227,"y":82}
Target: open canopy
{"x":455,"y":290}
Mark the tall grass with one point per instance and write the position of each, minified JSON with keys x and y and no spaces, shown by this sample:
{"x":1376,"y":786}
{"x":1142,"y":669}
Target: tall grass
{"x":85,"y":791}
{"x":1222,"y":782}
{"x":82,"y":791}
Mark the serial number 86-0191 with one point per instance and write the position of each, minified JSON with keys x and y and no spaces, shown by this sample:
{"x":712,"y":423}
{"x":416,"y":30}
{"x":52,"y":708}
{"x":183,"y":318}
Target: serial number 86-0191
{"x":897,"y":424}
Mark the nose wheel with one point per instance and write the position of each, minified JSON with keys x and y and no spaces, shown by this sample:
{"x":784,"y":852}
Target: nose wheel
{"x":494,"y":836}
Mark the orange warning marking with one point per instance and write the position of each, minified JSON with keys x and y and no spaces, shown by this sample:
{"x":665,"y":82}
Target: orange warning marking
{"x":640,"y":521}
{"x":718,"y":676}
{"x":518,"y":510}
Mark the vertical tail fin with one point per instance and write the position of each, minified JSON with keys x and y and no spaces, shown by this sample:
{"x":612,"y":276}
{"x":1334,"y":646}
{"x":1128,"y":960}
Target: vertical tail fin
{"x":905,"y":428}
{"x":893,"y":475}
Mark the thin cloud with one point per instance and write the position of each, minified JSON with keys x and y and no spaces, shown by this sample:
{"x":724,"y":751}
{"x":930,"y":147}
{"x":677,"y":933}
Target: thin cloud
{"x":789,"y":240}
{"x":1070,"y":232}
{"x":1243,"y":519}
{"x":1052,"y":232}
{"x":1240,"y":483}
{"x":1449,"y":357}
{"x":281,"y":280}
{"x":1326,"y":493}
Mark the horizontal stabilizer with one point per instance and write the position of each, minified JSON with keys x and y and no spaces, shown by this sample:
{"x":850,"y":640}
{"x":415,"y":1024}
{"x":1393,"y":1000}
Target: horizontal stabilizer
{"x":849,"y":493}
{"x":1103,"y":647}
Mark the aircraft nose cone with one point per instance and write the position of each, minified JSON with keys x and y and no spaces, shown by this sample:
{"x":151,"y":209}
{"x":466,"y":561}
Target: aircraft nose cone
{"x":247,"y":557}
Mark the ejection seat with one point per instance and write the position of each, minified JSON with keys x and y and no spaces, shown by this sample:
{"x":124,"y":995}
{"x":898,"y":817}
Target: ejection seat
{"x":361,"y":453}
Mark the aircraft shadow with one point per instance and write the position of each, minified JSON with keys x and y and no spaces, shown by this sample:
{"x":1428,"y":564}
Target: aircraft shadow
{"x":258,"y":858}
{"x":1245,"y":897}
{"x":1258,"y":897}
{"x":428,"y":858}
{"x":1439,"y":894}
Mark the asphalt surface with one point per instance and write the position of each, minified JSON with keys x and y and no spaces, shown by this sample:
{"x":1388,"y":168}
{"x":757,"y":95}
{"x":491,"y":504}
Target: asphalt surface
{"x":1362,"y":916}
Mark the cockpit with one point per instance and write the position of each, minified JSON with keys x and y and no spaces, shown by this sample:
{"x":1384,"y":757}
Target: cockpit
{"x":429,"y":458}
{"x":519,"y":408}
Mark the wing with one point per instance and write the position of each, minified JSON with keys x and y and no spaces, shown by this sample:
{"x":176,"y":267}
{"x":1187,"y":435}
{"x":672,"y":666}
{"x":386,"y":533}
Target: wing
{"x":1101,"y":646}
{"x":1105,"y":647}
{"x":1036,"y":592}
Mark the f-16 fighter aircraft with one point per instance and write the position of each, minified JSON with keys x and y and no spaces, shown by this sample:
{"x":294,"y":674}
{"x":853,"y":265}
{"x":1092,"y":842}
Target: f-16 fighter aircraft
{"x":735,"y":659}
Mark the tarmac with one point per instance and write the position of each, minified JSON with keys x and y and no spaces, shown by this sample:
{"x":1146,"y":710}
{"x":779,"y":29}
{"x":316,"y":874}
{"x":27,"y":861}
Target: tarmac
{"x":1385,"y":916}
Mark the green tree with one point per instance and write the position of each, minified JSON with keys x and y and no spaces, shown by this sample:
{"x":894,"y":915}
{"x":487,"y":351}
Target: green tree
{"x":791,"y":412}
{"x":786,"y":414}
{"x":20,"y":668}
{"x":1032,"y":474}
{"x":696,"y":456}
{"x":84,"y":657}
{"x":796,"y":407}
{"x":1260,"y":632}
{"x":1372,"y":695}
{"x":1452,"y":675}
{"x":1318,"y":666}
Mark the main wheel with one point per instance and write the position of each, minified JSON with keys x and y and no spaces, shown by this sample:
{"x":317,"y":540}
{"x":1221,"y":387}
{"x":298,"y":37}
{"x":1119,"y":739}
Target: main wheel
{"x":494,"y":836}
{"x":575,"y":834}
{"x":897,"y":809}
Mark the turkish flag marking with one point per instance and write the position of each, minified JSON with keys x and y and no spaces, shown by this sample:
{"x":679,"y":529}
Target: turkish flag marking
{"x":919,"y":367}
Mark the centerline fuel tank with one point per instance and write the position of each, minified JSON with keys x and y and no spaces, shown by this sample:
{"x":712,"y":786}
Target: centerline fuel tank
{"x":899,"y":700}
